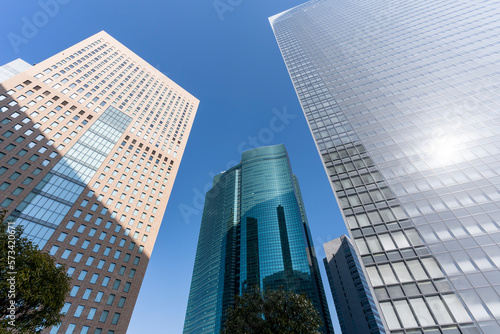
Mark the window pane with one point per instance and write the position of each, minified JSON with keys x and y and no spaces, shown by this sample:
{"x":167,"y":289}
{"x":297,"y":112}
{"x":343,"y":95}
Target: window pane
{"x":390,"y":316}
{"x":91,"y":314}
{"x":387,"y":242}
{"x":414,"y":237}
{"x":422,"y":312}
{"x":432,"y":267}
{"x":439,"y":310}
{"x":400,"y":239}
{"x":387,"y":274}
{"x":104,"y":316}
{"x":405,"y":313}
{"x":456,"y":308}
{"x":363,"y":249}
{"x":374,"y":244}
{"x":402,"y":272}
{"x":417,"y":270}
{"x":374,"y":276}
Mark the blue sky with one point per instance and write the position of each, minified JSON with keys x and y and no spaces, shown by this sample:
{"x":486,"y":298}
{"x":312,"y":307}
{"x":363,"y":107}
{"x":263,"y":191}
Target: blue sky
{"x":230,"y":61}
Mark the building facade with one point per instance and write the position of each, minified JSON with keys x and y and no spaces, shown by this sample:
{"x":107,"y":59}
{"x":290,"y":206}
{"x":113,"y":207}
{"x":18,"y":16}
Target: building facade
{"x":356,"y":308}
{"x":91,"y":142}
{"x":254,"y":232}
{"x":402,"y":100}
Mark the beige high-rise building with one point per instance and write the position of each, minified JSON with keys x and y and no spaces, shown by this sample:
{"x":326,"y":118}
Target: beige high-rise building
{"x":90,"y":143}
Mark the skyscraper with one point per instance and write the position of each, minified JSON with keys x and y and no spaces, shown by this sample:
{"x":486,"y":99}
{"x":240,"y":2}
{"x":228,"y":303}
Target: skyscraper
{"x":254,"y":232}
{"x":402,"y":100}
{"x":91,"y":142}
{"x":356,"y":309}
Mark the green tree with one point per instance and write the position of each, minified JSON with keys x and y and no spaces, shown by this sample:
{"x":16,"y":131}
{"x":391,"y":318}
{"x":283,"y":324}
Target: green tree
{"x":272,"y":312}
{"x":32,"y":287}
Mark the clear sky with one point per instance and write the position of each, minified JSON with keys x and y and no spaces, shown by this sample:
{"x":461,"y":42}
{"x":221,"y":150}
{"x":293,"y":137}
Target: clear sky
{"x":231,"y":62}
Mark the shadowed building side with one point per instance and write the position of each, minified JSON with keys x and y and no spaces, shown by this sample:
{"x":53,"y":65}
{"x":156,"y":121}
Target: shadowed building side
{"x":90,"y":144}
{"x":354,"y":303}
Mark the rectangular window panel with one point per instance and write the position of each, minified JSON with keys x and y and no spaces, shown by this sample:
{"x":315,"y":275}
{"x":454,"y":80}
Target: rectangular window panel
{"x":390,"y":315}
{"x":374,"y":276}
{"x":457,"y":308}
{"x":387,"y":274}
{"x":424,"y":317}
{"x":417,"y":270}
{"x":91,"y":314}
{"x":405,"y":314}
{"x":402,"y":272}
{"x":439,"y":309}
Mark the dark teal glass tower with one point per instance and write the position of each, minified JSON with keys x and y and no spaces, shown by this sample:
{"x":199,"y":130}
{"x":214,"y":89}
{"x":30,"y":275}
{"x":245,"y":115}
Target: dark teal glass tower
{"x":254,"y":232}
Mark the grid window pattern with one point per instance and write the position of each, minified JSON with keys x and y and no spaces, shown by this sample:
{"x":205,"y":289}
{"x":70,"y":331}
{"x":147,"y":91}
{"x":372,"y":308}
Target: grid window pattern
{"x":253,"y":232}
{"x":94,"y":107}
{"x":403,"y":112}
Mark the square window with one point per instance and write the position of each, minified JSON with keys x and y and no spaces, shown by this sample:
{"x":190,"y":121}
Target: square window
{"x":91,"y":314}
{"x":78,"y":257}
{"x":111,"y":299}
{"x":73,"y":241}
{"x":132,"y":273}
{"x":71,"y":270}
{"x":4,"y":186}
{"x":104,"y":316}
{"x":94,"y":278}
{"x":105,"y":281}
{"x":78,"y":311}
{"x":82,"y":275}
{"x":116,"y":318}
{"x":66,"y":254}
{"x":17,"y":191}
{"x":86,"y":294}
{"x":85,"y":244}
{"x":121,"y":303}
{"x":14,"y":176}
{"x":98,"y":297}
{"x":89,"y":261}
{"x":28,"y":180}
{"x":74,"y":291}
{"x":53,"y":250}
{"x":116,"y":285}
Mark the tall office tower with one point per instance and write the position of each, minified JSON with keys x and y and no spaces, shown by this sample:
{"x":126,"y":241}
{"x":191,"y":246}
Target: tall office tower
{"x":91,"y":142}
{"x":356,"y":309}
{"x":402,"y":100}
{"x":254,"y":232}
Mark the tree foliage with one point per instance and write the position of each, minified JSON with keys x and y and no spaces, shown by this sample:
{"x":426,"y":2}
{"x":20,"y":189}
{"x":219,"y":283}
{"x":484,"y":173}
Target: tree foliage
{"x":32,"y":288}
{"x":272,"y":312}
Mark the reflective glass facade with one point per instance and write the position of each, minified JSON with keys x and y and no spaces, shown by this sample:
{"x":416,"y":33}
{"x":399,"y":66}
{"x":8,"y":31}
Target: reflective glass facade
{"x":44,"y":208}
{"x":254,"y":232}
{"x":402,"y":100}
